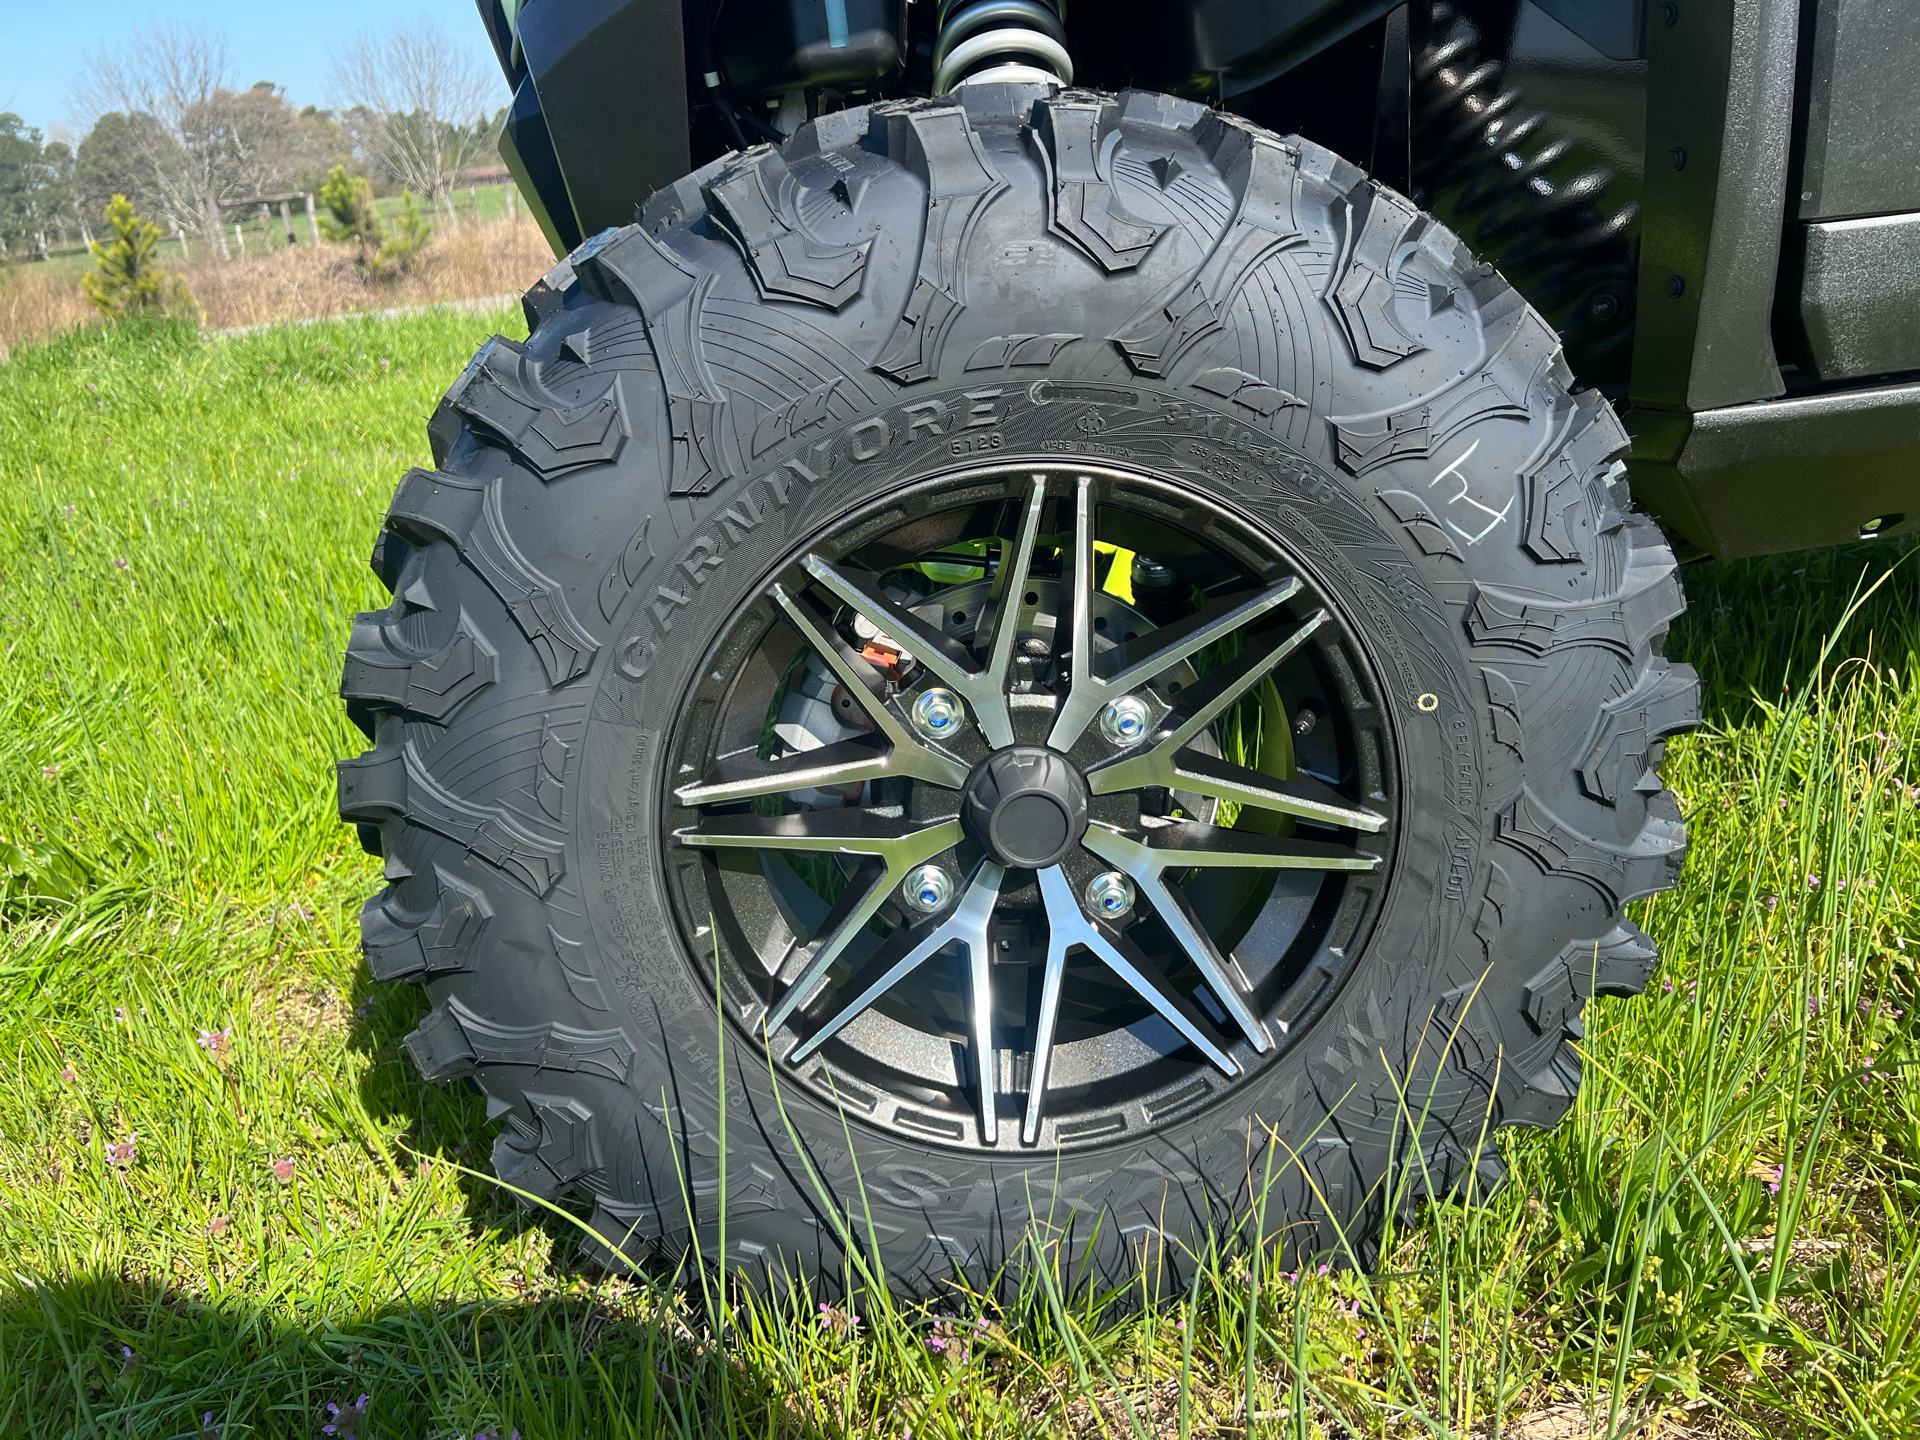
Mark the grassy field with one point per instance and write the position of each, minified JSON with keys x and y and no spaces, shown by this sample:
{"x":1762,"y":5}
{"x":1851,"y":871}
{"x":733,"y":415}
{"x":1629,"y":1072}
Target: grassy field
{"x":227,"y":1206}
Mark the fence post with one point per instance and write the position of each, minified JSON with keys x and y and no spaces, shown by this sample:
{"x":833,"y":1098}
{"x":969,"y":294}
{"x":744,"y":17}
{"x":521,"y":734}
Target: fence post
{"x":239,"y":243}
{"x":181,"y":231}
{"x":286,"y":223}
{"x":510,"y":188}
{"x":313,"y":225}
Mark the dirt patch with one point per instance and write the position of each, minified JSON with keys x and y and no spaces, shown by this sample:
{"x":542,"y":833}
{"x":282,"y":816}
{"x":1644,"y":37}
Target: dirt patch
{"x":298,"y":1009}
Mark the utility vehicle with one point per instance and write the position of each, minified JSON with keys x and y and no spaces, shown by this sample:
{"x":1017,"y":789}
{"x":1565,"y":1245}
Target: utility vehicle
{"x":1055,"y":634}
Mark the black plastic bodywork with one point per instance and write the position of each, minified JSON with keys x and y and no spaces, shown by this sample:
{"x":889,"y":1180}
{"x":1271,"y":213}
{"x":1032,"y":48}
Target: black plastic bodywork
{"x":1716,"y":202}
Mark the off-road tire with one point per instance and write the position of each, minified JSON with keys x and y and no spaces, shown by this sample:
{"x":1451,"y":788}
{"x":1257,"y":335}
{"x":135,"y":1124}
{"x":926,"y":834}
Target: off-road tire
{"x":1013,"y":273}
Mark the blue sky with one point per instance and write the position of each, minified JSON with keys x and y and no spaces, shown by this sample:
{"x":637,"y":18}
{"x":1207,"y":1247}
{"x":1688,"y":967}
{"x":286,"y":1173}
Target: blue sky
{"x":290,"y":42}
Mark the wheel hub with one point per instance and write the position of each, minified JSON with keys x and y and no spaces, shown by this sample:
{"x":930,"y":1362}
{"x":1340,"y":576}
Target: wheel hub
{"x":1026,"y":806}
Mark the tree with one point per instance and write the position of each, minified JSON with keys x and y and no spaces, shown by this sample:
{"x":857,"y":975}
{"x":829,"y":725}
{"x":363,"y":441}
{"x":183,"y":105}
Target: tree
{"x":421,"y":104}
{"x":171,"y":130}
{"x":172,"y":74}
{"x":35,"y":183}
{"x":114,"y":158}
{"x":268,"y":141}
{"x":125,"y":280}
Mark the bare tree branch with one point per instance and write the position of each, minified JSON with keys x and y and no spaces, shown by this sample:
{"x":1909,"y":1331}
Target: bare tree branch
{"x":425,"y":102}
{"x":174,"y":74}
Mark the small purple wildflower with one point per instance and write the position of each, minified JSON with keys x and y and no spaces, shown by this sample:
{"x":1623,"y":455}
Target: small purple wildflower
{"x":218,"y":1044}
{"x":218,"y":1225}
{"x":345,"y":1423}
{"x":1779,"y":1174}
{"x":283,"y":1170}
{"x":122,"y":1153}
{"x":946,"y":1339}
{"x":119,"y":563}
{"x":836,"y":1320}
{"x":49,"y":772}
{"x":66,"y":1074}
{"x":1323,"y":1270}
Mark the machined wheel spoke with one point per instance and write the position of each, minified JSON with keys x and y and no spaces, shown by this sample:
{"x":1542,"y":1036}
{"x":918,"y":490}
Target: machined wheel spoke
{"x":1083,"y":691}
{"x":969,"y":925}
{"x":1001,"y":627}
{"x":1303,"y":796}
{"x":1188,"y":844}
{"x":1183,"y":639}
{"x":899,"y":844}
{"x":1151,"y":762}
{"x":827,"y":832}
{"x":983,"y":690}
{"x":910,"y":755}
{"x":1146,"y":867}
{"x":742,"y":777}
{"x":1171,"y":644}
{"x":1068,"y":926}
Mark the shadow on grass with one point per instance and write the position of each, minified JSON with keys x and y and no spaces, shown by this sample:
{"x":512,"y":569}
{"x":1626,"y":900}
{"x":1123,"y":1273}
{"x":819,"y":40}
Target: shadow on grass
{"x":1752,"y":627}
{"x":98,"y":1355}
{"x":445,"y":1123}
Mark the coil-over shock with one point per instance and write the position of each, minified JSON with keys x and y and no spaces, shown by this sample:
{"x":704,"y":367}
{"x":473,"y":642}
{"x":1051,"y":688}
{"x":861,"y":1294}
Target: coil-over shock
{"x":1000,"y":41}
{"x":1519,"y":194}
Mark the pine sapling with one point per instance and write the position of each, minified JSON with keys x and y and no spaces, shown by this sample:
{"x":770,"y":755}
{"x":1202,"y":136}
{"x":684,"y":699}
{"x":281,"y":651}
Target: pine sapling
{"x":126,"y":278}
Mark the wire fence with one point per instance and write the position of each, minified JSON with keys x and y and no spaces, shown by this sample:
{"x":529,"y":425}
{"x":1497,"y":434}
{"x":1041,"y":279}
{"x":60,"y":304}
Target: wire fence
{"x":262,"y":225}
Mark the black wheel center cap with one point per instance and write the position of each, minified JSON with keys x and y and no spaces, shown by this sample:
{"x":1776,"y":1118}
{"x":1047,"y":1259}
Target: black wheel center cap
{"x":1026,"y":806}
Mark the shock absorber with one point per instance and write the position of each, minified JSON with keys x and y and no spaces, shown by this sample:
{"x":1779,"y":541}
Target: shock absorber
{"x":1517,"y":192}
{"x":1000,"y":41}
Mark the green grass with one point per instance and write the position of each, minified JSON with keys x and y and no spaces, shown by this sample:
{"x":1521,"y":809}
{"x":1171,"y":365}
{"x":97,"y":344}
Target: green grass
{"x":183,"y":530}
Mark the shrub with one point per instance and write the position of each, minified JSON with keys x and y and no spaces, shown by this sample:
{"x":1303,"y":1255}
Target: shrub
{"x":126,"y":279}
{"x":352,"y":217}
{"x":406,"y":245}
{"x":350,"y":214}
